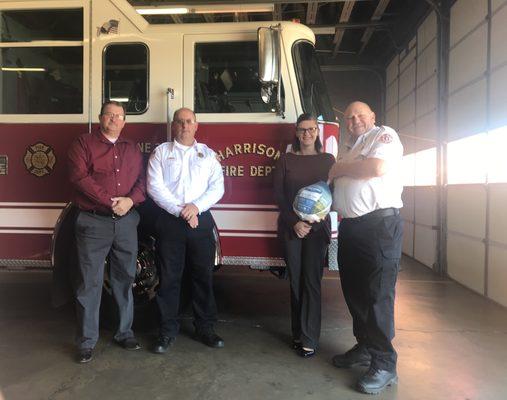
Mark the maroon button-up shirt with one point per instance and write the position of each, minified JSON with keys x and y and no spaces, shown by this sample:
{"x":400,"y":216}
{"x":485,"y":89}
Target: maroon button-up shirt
{"x":100,"y":170}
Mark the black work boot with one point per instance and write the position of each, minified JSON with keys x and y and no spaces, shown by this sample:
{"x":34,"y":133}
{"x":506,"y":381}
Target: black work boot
{"x":376,"y":380}
{"x":356,"y":356}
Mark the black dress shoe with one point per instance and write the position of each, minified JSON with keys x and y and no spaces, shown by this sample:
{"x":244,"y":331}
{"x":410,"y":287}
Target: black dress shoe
{"x":296,"y":345}
{"x":162,"y":344}
{"x":84,"y":355}
{"x":375,"y":380}
{"x":306,"y":353}
{"x":210,"y":339}
{"x":356,"y":356}
{"x":129,"y":343}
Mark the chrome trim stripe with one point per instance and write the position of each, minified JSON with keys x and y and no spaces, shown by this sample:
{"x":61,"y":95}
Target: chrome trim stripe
{"x":22,"y":264}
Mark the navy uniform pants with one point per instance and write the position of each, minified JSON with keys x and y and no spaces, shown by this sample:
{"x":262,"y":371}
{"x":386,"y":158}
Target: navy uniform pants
{"x":180,"y":246}
{"x":97,"y":237}
{"x":369,"y":252}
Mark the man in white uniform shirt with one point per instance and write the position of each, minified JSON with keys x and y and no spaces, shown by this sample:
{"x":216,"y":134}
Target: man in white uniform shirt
{"x":367,"y":194}
{"x":185,"y":180}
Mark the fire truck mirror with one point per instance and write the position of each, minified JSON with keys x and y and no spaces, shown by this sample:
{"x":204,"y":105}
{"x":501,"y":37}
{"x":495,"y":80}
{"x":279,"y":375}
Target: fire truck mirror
{"x":269,"y":55}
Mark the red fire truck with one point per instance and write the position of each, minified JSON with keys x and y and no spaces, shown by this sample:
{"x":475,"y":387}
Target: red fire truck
{"x":246,"y":81}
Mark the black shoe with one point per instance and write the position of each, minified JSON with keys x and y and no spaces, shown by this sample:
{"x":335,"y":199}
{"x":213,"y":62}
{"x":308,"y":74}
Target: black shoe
{"x":84,"y":355}
{"x":129,"y":343}
{"x":374,"y":381}
{"x":210,"y":339}
{"x":356,"y":356}
{"x":162,"y":344}
{"x":296,"y":345}
{"x":306,"y":353}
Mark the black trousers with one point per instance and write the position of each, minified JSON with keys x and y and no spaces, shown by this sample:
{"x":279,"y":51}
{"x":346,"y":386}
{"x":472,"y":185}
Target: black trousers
{"x":305,"y":262}
{"x":369,"y":252}
{"x":179,"y":247}
{"x":96,"y":238}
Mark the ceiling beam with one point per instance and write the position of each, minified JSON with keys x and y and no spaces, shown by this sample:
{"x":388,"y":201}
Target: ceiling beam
{"x":311,"y":13}
{"x":344,"y":17}
{"x":209,"y":18}
{"x":377,"y":15}
{"x":173,"y":3}
{"x":277,"y":13}
{"x":176,"y":18}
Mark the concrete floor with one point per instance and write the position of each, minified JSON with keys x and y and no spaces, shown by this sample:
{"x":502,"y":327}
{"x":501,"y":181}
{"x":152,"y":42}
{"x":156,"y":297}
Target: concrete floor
{"x":452,"y":344}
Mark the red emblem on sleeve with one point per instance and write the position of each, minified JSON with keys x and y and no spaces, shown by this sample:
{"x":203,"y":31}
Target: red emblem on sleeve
{"x":386,"y":138}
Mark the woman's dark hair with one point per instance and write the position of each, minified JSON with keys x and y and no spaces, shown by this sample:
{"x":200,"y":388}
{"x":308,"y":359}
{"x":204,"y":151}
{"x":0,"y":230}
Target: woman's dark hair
{"x":296,"y":145}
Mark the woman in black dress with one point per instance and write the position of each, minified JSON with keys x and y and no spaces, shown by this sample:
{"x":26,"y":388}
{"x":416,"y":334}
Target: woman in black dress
{"x":305,"y":244}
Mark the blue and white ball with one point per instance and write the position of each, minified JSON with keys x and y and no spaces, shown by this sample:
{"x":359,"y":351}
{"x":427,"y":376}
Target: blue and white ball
{"x":312,"y":203}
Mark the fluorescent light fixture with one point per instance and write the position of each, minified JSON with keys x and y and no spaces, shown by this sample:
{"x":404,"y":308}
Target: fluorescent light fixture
{"x":203,"y":9}
{"x":17,"y":69}
{"x":162,"y":10}
{"x":120,"y":99}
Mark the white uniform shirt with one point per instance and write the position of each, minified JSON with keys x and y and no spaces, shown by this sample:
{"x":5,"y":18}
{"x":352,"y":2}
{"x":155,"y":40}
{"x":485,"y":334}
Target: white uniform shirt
{"x":178,"y":175}
{"x":355,"y":197}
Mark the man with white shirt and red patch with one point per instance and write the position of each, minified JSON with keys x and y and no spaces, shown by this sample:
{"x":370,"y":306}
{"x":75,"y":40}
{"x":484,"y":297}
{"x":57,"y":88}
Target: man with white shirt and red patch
{"x":185,"y":179}
{"x":367,"y":195}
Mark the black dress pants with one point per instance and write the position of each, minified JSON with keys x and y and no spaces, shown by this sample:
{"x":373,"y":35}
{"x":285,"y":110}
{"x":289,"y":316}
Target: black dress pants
{"x":305,"y":262}
{"x":179,"y":247}
{"x":369,"y":252}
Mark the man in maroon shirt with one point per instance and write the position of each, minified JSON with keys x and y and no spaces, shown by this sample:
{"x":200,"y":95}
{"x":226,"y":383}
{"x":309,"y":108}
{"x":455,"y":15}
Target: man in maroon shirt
{"x":106,"y":171}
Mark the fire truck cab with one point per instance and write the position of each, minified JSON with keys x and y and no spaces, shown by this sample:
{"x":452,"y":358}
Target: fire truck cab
{"x":246,"y":81}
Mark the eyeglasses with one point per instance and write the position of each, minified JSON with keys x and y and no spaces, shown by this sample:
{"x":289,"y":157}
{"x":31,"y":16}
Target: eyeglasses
{"x":121,"y":117}
{"x":301,"y":131}
{"x":182,"y":122}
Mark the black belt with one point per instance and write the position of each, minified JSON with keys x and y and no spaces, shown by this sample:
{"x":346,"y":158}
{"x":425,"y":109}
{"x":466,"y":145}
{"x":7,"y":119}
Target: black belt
{"x":383,"y":212}
{"x":111,"y":215}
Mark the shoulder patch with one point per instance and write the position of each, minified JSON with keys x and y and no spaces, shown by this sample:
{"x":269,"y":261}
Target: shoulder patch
{"x":385,"y":138}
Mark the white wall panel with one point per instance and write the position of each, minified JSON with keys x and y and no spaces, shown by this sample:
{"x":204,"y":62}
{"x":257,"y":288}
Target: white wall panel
{"x":425,"y":245}
{"x":407,"y":59}
{"x":407,"y":110}
{"x":427,"y":96}
{"x":408,"y":239}
{"x":392,"y":118}
{"x":498,"y":213}
{"x":468,"y":60}
{"x":392,"y":94}
{"x":427,"y":32}
{"x":495,"y":4}
{"x":427,"y":128}
{"x":465,"y":261}
{"x":407,"y":80}
{"x":392,"y":70}
{"x":407,"y":139}
{"x":467,"y":111}
{"x":466,"y":15}
{"x":497,"y":274}
{"x":466,"y":209}
{"x":498,"y":35}
{"x":498,"y":98}
{"x":427,"y":63}
{"x":407,"y":212}
{"x":426,"y":205}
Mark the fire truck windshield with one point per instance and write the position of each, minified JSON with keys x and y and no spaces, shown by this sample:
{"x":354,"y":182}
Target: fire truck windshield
{"x":312,"y":88}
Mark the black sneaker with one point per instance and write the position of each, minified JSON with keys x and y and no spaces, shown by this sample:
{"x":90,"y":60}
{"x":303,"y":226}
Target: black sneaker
{"x":84,"y":355}
{"x":129,"y":343}
{"x":376,"y":380}
{"x":210,"y":339}
{"x":356,"y":356}
{"x":163,"y":343}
